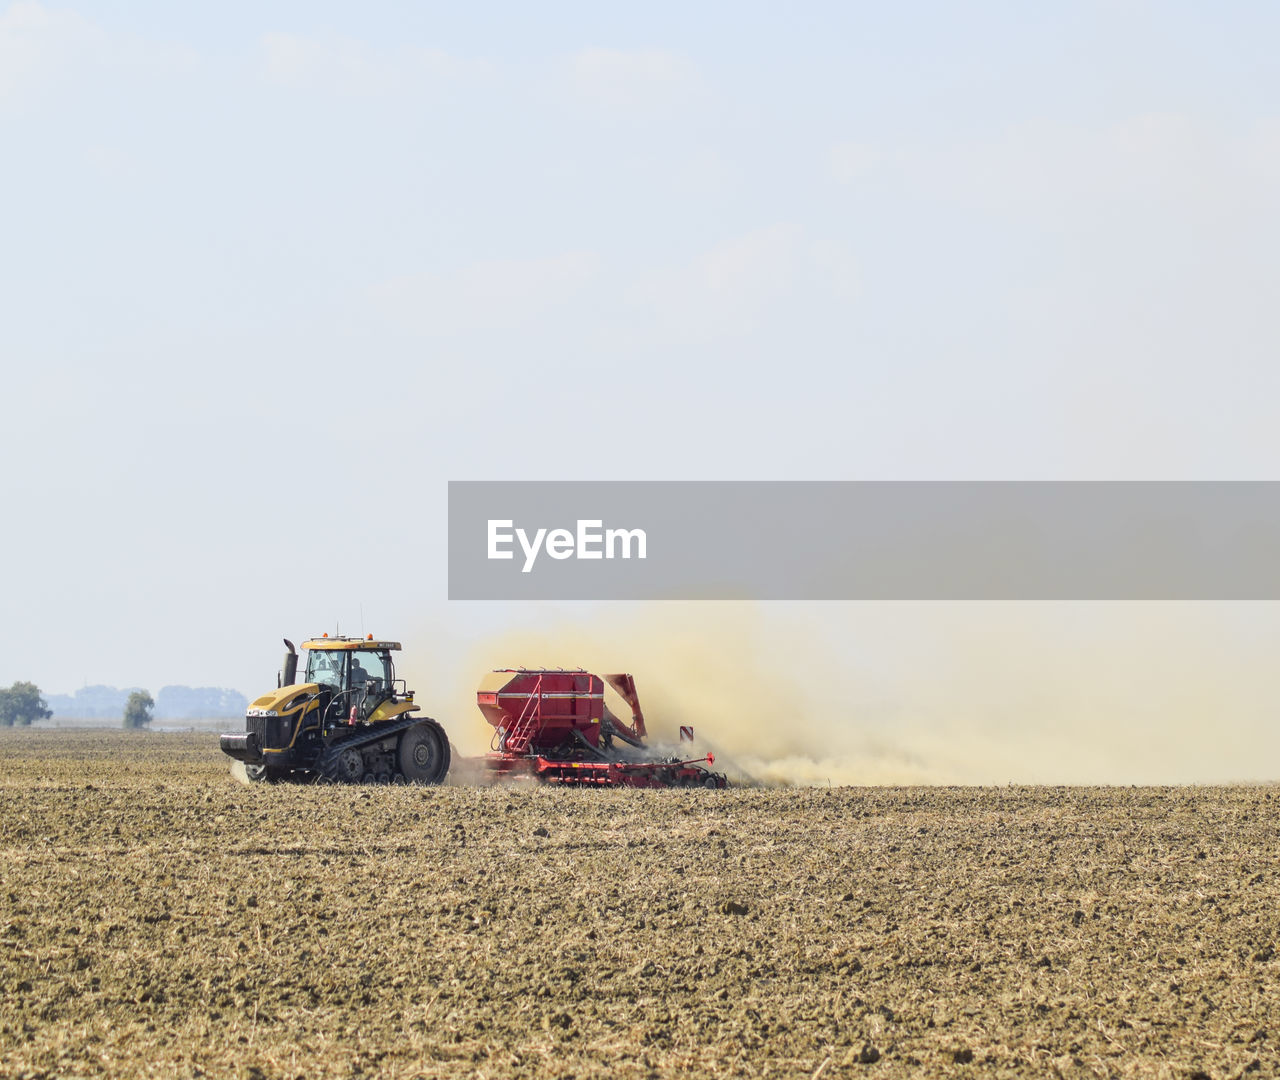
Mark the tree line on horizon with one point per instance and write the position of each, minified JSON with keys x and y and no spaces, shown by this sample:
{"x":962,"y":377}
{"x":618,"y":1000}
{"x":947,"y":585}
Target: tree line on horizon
{"x":23,"y":704}
{"x":171,"y":702}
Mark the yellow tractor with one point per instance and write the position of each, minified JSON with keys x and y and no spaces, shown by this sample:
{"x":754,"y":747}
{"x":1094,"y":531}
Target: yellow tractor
{"x":349,"y":720}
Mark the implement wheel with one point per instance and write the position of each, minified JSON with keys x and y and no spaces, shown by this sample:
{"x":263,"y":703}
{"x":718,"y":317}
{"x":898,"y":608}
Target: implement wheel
{"x":424,"y":753}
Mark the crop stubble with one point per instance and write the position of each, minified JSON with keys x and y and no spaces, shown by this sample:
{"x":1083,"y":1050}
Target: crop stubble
{"x":156,"y":918}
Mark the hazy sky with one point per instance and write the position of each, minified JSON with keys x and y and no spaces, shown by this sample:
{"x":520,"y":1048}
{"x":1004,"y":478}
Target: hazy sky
{"x":273,"y":273}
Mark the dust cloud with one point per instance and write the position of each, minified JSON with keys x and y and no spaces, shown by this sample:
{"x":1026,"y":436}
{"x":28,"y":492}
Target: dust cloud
{"x":928,"y":693}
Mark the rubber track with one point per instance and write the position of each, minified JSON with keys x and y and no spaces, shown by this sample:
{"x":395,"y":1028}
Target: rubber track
{"x":363,"y":738}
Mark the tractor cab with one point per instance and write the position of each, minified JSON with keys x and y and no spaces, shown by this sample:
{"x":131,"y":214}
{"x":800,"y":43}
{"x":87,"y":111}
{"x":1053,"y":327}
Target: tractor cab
{"x":357,"y":673}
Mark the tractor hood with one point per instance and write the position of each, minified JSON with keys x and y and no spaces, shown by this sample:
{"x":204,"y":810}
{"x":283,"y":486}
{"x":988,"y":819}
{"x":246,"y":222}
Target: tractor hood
{"x":282,"y":700}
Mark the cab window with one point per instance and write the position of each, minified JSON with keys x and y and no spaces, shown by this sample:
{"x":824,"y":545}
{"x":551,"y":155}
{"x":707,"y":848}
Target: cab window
{"x":371,"y":669}
{"x":326,"y":666}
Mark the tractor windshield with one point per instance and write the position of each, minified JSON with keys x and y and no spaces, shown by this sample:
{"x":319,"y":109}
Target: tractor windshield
{"x":326,"y":666}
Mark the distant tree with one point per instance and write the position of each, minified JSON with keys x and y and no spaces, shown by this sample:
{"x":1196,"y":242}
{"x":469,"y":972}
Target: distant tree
{"x":22,"y":704}
{"x":137,"y":710}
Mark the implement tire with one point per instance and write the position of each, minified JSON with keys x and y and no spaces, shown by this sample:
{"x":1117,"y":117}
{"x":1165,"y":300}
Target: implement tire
{"x":423,"y":754}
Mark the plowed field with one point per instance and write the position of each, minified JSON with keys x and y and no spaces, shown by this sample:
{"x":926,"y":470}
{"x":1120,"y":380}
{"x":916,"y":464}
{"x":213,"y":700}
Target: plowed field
{"x":158,"y":918}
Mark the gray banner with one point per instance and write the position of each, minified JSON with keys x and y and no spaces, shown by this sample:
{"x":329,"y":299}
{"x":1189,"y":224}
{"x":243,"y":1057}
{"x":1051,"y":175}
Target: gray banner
{"x":818,"y":540}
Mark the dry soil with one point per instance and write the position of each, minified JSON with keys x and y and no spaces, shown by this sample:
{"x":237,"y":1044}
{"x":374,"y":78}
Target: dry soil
{"x":158,"y":918}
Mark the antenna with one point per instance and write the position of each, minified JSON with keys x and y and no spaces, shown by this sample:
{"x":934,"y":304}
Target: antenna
{"x":362,"y":620}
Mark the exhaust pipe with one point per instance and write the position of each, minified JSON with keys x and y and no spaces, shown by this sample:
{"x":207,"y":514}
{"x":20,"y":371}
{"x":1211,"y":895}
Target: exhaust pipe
{"x":290,"y":673}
